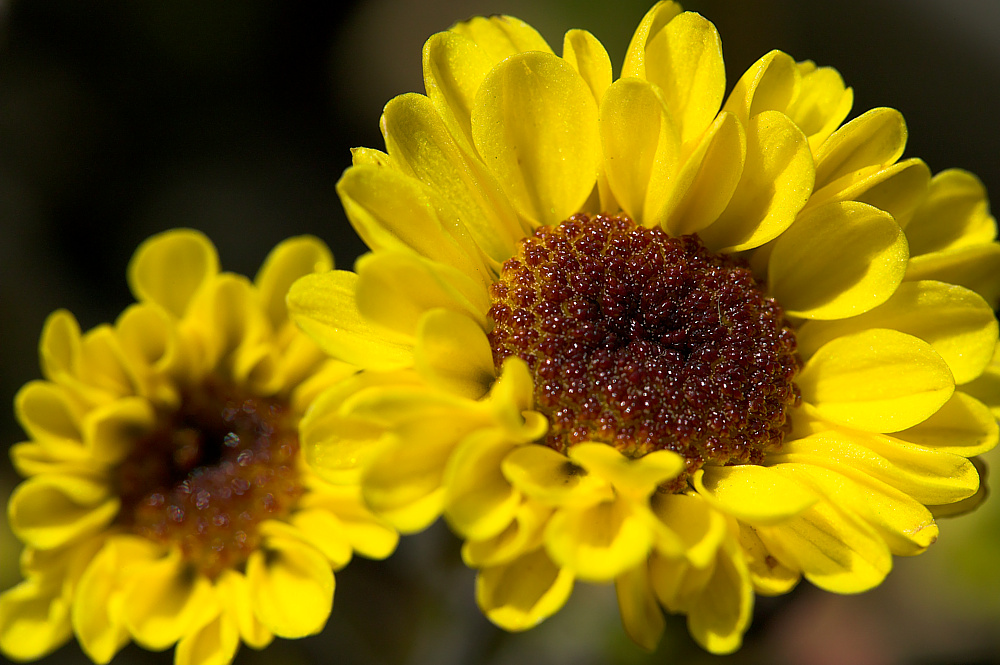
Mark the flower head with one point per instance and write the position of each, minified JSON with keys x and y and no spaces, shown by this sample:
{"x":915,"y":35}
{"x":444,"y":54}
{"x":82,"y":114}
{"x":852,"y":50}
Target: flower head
{"x":166,"y":499}
{"x":640,"y":331}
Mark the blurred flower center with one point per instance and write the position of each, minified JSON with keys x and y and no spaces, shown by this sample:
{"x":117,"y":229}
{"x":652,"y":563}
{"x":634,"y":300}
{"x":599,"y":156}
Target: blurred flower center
{"x":210,"y":473}
{"x":646,"y":342}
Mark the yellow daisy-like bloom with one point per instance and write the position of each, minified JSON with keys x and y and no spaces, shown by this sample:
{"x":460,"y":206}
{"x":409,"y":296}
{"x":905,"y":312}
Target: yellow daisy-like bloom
{"x":637,"y":331}
{"x":167,"y":500}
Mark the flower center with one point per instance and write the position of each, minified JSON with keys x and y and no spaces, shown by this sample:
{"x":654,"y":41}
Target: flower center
{"x":210,"y":472}
{"x":646,"y":342}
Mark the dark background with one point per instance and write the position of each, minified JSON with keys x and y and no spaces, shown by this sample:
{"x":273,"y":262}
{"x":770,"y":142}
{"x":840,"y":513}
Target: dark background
{"x":122,"y":118}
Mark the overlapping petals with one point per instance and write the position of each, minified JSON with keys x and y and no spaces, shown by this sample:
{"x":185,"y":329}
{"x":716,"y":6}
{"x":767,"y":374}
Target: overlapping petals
{"x":85,"y":573}
{"x":887,"y":275}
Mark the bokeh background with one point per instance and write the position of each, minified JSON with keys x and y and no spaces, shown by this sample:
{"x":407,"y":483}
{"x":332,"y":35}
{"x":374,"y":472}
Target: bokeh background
{"x":122,"y":118}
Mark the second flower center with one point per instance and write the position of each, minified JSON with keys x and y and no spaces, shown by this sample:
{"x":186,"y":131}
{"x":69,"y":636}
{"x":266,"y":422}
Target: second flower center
{"x":646,"y":342}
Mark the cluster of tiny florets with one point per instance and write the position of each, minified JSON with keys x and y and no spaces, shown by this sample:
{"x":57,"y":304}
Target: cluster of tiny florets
{"x":211,"y":471}
{"x":646,"y":342}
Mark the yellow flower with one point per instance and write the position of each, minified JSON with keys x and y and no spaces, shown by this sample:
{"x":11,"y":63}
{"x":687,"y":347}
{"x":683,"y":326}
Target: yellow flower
{"x":166,"y":498}
{"x":637,"y":331}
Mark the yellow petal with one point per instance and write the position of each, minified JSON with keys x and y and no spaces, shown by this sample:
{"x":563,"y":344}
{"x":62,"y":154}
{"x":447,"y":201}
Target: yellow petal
{"x":215,"y":643}
{"x":955,"y":214}
{"x":768,"y":575}
{"x":598,"y":542}
{"x":684,"y":60}
{"x":837,"y":260}
{"x":834,"y":551}
{"x":420,"y":145}
{"x":521,"y":536}
{"x":523,"y":593}
{"x":323,"y":306}
{"x":821,"y":104}
{"x":47,"y":413}
{"x":676,"y":582}
{"x":34,"y":620}
{"x":878,"y":380}
{"x":986,"y":388}
{"x":480,"y":501}
{"x":454,"y":67}
{"x":393,"y":211}
{"x":776,"y":182}
{"x":769,"y":85}
{"x":234,"y":594}
{"x":550,"y":477}
{"x":974,"y":267}
{"x":535,"y":125}
{"x":721,"y":614}
{"x":898,"y":189}
{"x":170,"y":267}
{"x":100,"y":634}
{"x":150,"y":340}
{"x":957,"y":323}
{"x":366,"y":534}
{"x":641,"y":614}
{"x":59,"y":346}
{"x":963,"y":426}
{"x":699,"y":527}
{"x":640,"y":142}
{"x":634,"y":478}
{"x":587,"y":56}
{"x":501,"y":36}
{"x":322,"y":530}
{"x":112,"y":431}
{"x":906,"y":525}
{"x":291,"y":588}
{"x":164,"y":602}
{"x":289,"y":260}
{"x":753,"y":494}
{"x":875,"y":138}
{"x":453,"y":353}
{"x":694,"y":198}
{"x":929,"y":476}
{"x":652,"y":23}
{"x":50,"y":511}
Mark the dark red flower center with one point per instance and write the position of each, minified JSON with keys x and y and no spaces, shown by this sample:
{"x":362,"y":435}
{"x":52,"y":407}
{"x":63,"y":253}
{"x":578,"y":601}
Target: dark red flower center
{"x":646,"y":342}
{"x":210,"y":473}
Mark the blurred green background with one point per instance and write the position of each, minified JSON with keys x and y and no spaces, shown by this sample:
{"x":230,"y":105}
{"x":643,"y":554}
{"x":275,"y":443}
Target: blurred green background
{"x":122,"y":118}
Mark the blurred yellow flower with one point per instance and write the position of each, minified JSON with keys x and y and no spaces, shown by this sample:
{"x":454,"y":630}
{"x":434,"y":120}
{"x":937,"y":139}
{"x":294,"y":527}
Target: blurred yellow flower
{"x":637,"y":331}
{"x":166,"y":498}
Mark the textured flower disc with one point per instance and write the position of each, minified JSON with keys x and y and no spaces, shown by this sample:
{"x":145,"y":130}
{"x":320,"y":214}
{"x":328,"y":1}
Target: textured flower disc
{"x":210,"y":473}
{"x":646,"y":342}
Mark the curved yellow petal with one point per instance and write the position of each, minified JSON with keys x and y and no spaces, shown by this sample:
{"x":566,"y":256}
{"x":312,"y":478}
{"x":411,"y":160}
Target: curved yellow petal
{"x":535,"y":125}
{"x":640,"y":142}
{"x":100,"y":634}
{"x":59,"y":345}
{"x":479,"y":502}
{"x":684,"y":60}
{"x":454,"y":67}
{"x":111,"y":432}
{"x":323,"y":306}
{"x":974,"y":267}
{"x":813,"y":282}
{"x":521,"y":536}
{"x":769,"y":85}
{"x":834,"y":551}
{"x":323,"y":530}
{"x":634,"y":478}
{"x":906,"y":525}
{"x":291,"y":588}
{"x":598,"y":542}
{"x":699,"y":527}
{"x":234,"y":594}
{"x":215,"y":643}
{"x":151,"y":342}
{"x":898,"y":189}
{"x":587,"y":56}
{"x":963,"y":426}
{"x":364,"y":532}
{"x":957,"y":323}
{"x":821,"y":104}
{"x":420,"y":144}
{"x":550,"y":477}
{"x":47,"y":413}
{"x":651,"y":24}
{"x":170,"y":267}
{"x":50,"y":511}
{"x":875,"y":138}
{"x":34,"y":620}
{"x":453,"y":353}
{"x":754,"y":494}
{"x":289,"y":260}
{"x":394,"y":211}
{"x":641,"y":615}
{"x":878,"y":380}
{"x":955,"y":214}
{"x":776,"y":182}
{"x":721,"y":613}
{"x":931,"y":477}
{"x":501,"y":36}
{"x":694,"y":197}
{"x":768,"y":575}
{"x":523,"y":593}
